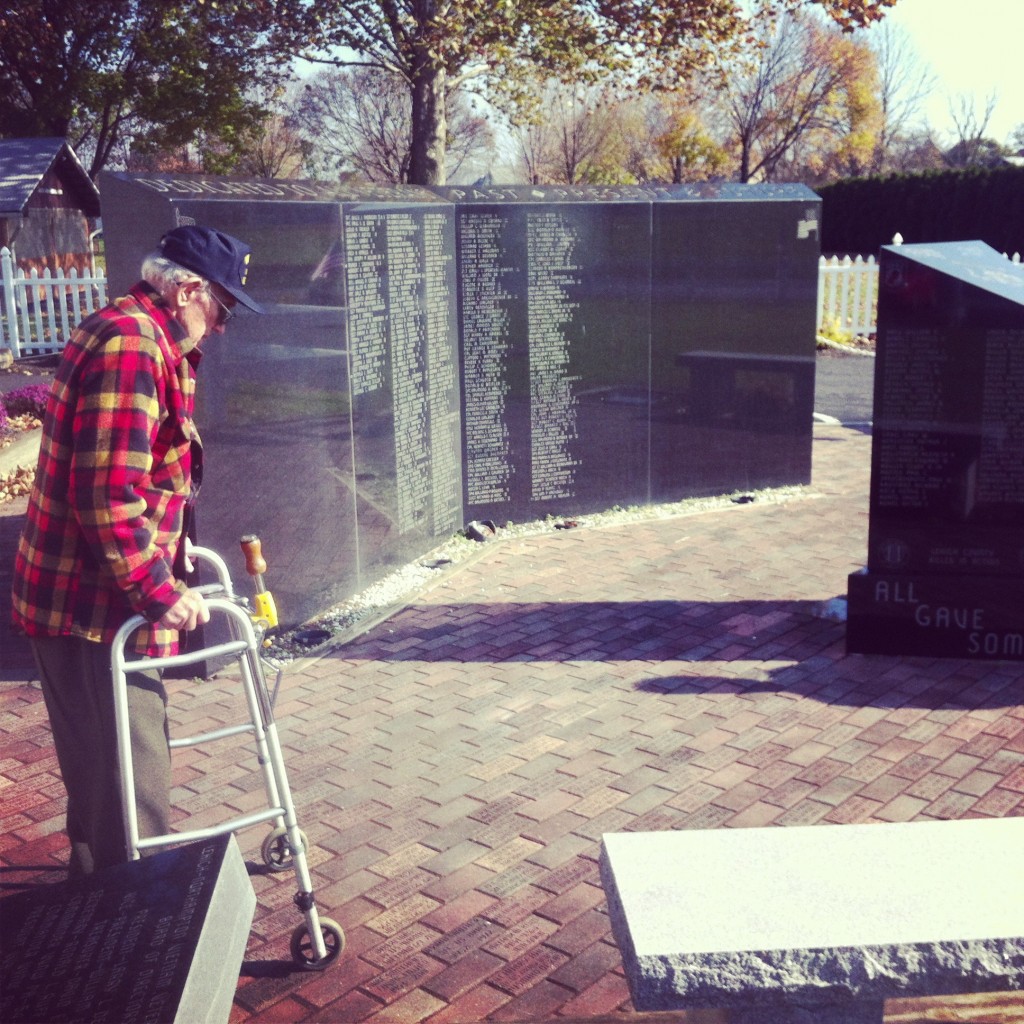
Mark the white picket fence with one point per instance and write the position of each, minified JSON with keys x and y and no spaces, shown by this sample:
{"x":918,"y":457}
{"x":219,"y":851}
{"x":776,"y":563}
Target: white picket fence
{"x":848,"y":295}
{"x":38,"y":311}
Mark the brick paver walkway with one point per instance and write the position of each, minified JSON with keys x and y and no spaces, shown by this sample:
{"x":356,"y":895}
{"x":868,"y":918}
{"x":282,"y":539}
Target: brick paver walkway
{"x":455,"y":767}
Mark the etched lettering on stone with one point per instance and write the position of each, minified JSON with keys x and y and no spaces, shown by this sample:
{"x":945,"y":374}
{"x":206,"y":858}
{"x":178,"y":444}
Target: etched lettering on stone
{"x":485,"y":266}
{"x":1000,"y":477}
{"x":553,"y":272}
{"x":367,"y":302}
{"x":401,"y":332}
{"x":914,"y":461}
{"x":109,"y":953}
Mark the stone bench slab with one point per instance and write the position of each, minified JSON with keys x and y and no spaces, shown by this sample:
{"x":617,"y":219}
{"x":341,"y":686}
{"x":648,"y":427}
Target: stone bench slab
{"x":818,"y":923}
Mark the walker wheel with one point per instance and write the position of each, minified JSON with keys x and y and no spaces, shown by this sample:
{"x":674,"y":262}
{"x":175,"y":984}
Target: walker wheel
{"x":277,"y":851}
{"x":303,"y":952}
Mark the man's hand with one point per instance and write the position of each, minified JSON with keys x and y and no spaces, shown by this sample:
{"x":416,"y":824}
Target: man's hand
{"x":186,"y":613}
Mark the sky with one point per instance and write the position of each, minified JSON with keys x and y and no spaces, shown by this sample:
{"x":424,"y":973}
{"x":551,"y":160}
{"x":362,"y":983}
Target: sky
{"x":973,"y":47}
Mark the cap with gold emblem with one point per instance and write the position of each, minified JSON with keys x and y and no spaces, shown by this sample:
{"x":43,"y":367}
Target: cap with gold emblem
{"x":214,"y":255}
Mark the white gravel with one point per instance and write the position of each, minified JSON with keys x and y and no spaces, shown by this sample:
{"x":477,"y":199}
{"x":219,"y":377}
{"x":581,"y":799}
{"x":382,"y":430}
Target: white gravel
{"x":360,"y":612}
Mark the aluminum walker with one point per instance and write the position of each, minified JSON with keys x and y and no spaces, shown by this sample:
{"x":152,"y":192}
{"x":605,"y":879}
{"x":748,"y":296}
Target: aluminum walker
{"x":319,"y":941}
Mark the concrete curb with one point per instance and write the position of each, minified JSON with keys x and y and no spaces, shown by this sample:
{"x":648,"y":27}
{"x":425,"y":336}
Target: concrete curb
{"x":23,"y":452}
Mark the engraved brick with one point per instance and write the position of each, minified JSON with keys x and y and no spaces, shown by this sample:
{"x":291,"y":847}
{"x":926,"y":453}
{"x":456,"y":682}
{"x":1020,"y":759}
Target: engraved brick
{"x":977,"y":783}
{"x":868,"y":769}
{"x":493,"y":769}
{"x":395,"y":890}
{"x":403,"y":859}
{"x":511,"y":853}
{"x":822,"y":771}
{"x":807,"y":812}
{"x":504,"y":884}
{"x":598,"y":802}
{"x":410,"y":973}
{"x":708,"y":817}
{"x":387,"y":954}
{"x":496,"y":809}
{"x":515,"y":941}
{"x":951,"y":805}
{"x":856,"y":810}
{"x":579,"y":869}
{"x":521,"y":974}
{"x":461,"y":940}
{"x":395,"y":919}
{"x":789,"y":793}
{"x":999,"y":803}
{"x":590,"y":966}
{"x":930,"y":787}
{"x":511,"y":911}
{"x":467,"y":970}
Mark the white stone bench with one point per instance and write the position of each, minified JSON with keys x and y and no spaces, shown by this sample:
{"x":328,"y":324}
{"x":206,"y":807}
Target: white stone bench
{"x":817,"y":925}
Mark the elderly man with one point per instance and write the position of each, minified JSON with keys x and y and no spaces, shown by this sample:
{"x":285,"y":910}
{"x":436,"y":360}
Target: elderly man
{"x":119,"y":466}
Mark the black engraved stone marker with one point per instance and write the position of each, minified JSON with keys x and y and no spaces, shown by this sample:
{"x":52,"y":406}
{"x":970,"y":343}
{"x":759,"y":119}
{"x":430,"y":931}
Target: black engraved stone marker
{"x":158,"y":939}
{"x":945,"y":572}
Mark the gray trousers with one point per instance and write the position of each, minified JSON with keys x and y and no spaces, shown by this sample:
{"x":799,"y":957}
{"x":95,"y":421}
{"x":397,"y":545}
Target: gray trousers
{"x":78,"y":690}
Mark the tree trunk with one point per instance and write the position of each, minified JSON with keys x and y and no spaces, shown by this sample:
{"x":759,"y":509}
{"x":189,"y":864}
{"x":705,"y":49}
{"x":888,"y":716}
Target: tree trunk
{"x":745,"y":147}
{"x":429,"y":126}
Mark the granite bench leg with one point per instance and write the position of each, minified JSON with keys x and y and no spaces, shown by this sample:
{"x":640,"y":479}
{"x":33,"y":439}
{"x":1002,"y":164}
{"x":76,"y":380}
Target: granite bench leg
{"x":817,"y":925}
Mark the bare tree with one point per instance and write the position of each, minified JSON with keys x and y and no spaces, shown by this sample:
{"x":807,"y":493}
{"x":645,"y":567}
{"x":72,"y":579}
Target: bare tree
{"x":536,"y":143}
{"x":970,"y":123}
{"x":276,"y":148}
{"x":358,"y":120}
{"x":904,"y":86}
{"x":583,"y":136}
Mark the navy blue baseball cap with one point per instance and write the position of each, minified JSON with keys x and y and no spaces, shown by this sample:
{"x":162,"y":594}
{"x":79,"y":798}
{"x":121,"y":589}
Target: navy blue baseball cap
{"x":214,"y":255}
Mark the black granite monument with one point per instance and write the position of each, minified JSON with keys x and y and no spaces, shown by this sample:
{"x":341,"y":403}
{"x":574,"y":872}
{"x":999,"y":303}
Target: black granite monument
{"x":432,"y":357}
{"x":945,"y":570}
{"x":158,"y":939}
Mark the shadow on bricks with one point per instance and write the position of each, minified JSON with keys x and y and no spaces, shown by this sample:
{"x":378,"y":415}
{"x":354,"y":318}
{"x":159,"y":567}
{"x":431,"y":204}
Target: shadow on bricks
{"x":790,"y":647}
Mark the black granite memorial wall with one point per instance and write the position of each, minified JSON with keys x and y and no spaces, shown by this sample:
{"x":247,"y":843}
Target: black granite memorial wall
{"x":945,"y":569}
{"x":734,"y":300}
{"x":330,"y":425}
{"x":431,"y":357}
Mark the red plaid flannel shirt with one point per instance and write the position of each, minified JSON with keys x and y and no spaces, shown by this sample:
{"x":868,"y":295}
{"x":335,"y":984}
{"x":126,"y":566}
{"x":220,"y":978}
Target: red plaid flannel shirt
{"x":114,"y":474}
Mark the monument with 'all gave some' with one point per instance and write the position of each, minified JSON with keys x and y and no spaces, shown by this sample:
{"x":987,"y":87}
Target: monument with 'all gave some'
{"x":945,"y":571}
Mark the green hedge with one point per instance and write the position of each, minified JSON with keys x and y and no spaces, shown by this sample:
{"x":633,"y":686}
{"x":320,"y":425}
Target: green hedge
{"x":862,"y":214}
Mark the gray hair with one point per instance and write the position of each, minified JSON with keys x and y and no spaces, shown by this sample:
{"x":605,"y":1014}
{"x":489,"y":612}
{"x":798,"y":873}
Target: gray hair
{"x":164,"y":275}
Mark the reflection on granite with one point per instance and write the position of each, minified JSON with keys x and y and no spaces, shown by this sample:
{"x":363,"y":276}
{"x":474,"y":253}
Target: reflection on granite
{"x":430,"y":357}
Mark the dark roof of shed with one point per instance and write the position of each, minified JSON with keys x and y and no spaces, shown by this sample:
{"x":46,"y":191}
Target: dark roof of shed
{"x":23,"y":164}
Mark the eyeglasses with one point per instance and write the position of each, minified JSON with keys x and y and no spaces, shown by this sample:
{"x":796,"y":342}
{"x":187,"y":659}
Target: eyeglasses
{"x":226,"y":313}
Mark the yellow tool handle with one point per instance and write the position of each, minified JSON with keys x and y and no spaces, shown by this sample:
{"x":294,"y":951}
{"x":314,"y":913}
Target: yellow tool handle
{"x":266,"y":609}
